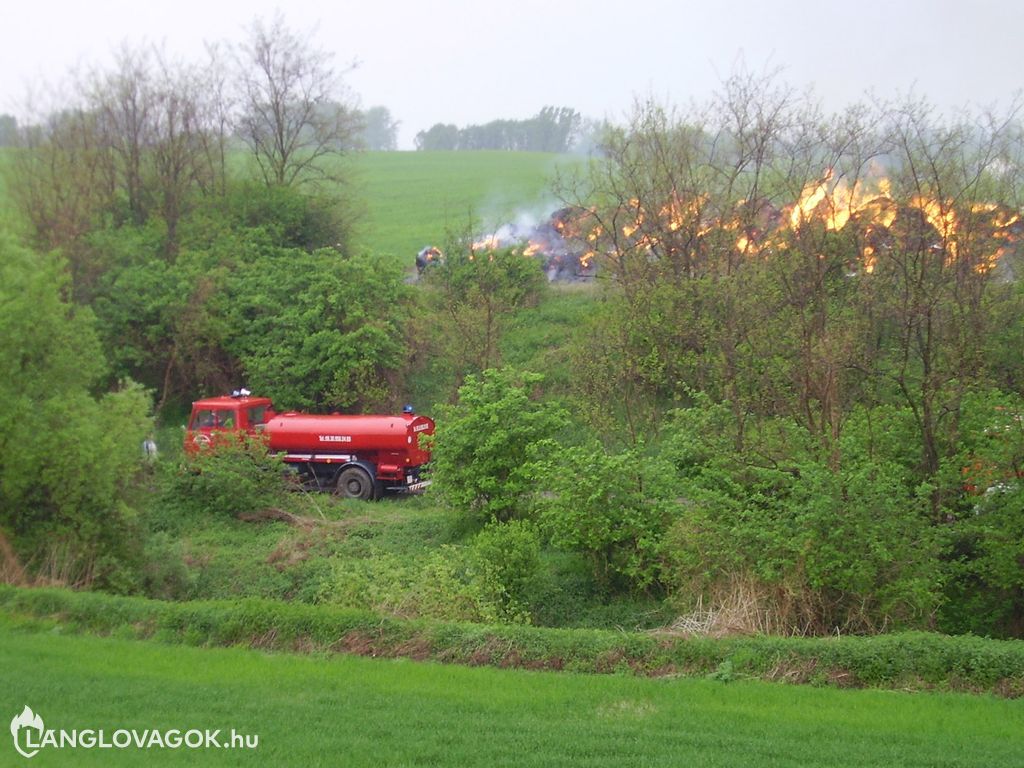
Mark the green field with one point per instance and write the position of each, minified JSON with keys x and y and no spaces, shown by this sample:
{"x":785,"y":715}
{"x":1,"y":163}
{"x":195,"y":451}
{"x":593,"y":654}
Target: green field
{"x":415,"y":199}
{"x":355,"y":711}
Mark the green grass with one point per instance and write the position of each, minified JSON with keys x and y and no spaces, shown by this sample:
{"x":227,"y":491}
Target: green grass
{"x":414,"y":199}
{"x":906,"y":661}
{"x":355,"y":711}
{"x":537,"y":338}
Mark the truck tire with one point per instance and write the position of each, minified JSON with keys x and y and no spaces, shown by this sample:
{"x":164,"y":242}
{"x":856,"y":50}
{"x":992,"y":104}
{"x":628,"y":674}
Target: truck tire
{"x":354,"y":483}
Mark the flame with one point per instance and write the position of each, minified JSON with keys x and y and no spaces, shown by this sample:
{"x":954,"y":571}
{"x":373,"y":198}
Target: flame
{"x":869,"y":259}
{"x":810,"y":199}
{"x":488,"y":243}
{"x":864,"y":209}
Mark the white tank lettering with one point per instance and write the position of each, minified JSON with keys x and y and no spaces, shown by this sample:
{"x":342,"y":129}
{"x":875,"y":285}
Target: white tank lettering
{"x":335,"y":438}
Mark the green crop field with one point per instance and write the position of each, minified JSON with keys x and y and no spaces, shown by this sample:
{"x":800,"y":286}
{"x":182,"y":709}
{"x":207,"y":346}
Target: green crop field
{"x":355,"y":711}
{"x":413,"y":199}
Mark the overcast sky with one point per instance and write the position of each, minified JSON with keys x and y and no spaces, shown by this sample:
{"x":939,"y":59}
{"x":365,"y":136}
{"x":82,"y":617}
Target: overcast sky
{"x":471,"y":62}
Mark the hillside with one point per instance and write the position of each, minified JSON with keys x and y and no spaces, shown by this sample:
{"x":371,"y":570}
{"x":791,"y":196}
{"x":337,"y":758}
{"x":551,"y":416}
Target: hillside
{"x":415,"y":199}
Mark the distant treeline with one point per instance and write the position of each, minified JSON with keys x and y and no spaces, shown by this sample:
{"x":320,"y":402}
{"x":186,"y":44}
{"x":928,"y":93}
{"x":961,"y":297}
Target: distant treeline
{"x":553,"y":129}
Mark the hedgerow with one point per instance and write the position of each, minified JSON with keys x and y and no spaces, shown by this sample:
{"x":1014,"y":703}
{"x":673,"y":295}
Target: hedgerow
{"x":914,"y":660}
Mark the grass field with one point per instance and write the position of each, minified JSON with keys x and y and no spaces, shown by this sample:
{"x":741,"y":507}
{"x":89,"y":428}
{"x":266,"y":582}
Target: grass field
{"x":414,"y":199}
{"x":355,"y":711}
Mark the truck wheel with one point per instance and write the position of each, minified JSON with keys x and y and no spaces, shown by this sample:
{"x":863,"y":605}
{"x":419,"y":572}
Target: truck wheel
{"x":354,"y":483}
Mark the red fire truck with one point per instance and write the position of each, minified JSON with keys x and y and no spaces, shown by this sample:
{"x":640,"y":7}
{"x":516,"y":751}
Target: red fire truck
{"x":358,"y":457}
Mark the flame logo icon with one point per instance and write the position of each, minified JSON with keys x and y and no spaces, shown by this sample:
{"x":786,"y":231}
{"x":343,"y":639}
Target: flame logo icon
{"x":27,"y":719}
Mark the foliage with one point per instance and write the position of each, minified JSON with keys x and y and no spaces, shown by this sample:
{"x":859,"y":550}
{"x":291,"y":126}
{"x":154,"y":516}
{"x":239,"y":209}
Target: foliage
{"x":901,"y":661}
{"x":509,"y":555}
{"x":850,"y":548}
{"x":986,"y":539}
{"x":486,"y":444}
{"x":235,"y":476}
{"x":318,"y":329}
{"x":553,"y":129}
{"x":291,"y":116}
{"x":613,"y":508}
{"x":472,"y":299}
{"x":68,"y":459}
{"x":253,"y":294}
{"x":307,"y":221}
{"x":379,"y":129}
{"x":487,"y":582}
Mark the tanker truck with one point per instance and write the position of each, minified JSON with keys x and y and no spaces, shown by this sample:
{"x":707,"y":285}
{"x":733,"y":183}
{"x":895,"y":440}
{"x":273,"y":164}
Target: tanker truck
{"x":355,"y":456}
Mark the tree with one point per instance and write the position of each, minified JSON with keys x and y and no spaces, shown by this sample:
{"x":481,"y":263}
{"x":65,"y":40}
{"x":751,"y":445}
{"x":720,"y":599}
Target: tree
{"x":293,"y":117}
{"x":439,"y":136}
{"x":474,"y":295}
{"x":486,"y":444}
{"x":316,"y":330}
{"x":67,"y":458}
{"x":141,"y":142}
{"x":8,"y":131}
{"x":553,"y":129}
{"x":933,"y":281}
{"x":380,"y":130}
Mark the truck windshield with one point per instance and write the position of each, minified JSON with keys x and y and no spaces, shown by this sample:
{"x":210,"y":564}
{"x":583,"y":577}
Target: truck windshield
{"x":210,"y":419}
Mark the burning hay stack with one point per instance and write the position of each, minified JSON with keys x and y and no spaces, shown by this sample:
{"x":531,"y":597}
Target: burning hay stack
{"x":572,"y":241}
{"x":558,"y":242}
{"x":685,"y":233}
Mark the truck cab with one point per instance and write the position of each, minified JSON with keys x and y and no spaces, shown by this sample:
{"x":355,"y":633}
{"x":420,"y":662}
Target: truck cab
{"x":215,"y":416}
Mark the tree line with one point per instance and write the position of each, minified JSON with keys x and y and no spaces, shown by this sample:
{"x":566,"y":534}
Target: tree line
{"x":553,"y":129}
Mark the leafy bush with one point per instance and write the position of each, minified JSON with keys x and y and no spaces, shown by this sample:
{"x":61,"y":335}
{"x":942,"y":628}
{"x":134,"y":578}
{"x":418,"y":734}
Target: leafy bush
{"x":313,"y":330}
{"x":68,"y":459}
{"x":613,"y":508}
{"x":508,"y":557}
{"x":987,"y":585}
{"x":847,"y":547}
{"x":235,"y":476}
{"x":164,"y":573}
{"x":468,"y":304}
{"x":486,"y":445}
{"x":485,"y":582}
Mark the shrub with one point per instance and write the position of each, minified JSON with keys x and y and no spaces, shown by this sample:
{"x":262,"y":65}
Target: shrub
{"x":612,"y":508}
{"x":486,"y":445}
{"x":488,"y":581}
{"x":236,"y":476}
{"x":68,"y":459}
{"x":847,"y":547}
{"x":507,"y":556}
